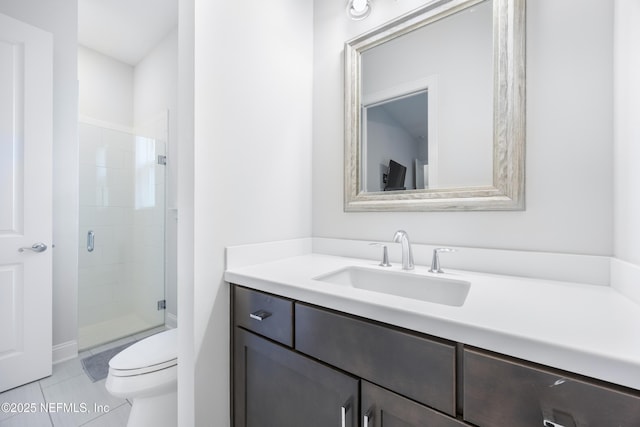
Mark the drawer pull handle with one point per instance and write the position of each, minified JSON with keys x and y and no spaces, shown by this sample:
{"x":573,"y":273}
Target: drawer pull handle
{"x":259,"y":315}
{"x":368,"y":416}
{"x":547,"y":423}
{"x":343,"y":412}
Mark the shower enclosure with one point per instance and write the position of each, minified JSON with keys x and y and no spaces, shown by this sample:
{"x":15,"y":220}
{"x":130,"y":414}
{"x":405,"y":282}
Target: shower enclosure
{"x":121,"y":280}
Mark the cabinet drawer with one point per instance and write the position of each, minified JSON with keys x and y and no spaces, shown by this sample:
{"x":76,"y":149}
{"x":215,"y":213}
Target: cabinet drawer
{"x":383,"y":408}
{"x":413,"y":366}
{"x":500,"y":391}
{"x":264,"y":314}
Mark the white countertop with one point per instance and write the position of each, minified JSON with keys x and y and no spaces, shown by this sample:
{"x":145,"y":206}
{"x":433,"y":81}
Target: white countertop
{"x":588,"y":329}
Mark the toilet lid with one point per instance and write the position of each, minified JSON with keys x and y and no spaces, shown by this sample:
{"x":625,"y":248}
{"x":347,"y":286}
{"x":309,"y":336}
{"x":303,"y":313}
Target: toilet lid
{"x":150,"y":354}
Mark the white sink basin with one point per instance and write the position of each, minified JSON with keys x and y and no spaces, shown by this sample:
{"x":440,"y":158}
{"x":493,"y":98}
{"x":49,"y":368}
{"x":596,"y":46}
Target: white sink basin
{"x":404,"y":284}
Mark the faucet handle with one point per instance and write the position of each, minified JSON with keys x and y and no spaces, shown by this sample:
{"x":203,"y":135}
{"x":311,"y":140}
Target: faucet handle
{"x":385,"y":254}
{"x":435,"y":261}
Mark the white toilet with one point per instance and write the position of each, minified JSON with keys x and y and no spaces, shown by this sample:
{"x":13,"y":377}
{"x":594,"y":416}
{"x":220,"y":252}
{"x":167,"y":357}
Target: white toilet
{"x":146,"y":373}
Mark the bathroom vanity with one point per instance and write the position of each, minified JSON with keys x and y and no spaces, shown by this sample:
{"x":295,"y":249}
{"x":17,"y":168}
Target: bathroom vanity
{"x":311,"y":353}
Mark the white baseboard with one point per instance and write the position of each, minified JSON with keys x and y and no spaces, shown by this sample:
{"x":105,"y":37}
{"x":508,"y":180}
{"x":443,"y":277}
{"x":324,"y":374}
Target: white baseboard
{"x":65,"y":351}
{"x":171,"y":320}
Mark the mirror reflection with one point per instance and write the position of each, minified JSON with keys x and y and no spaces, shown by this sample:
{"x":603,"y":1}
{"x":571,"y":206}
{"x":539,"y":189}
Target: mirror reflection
{"x":427,"y":106}
{"x":396,"y":153}
{"x":466,"y":60}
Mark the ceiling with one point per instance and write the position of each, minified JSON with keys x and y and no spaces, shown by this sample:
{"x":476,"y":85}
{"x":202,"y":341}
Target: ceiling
{"x":125,"y":29}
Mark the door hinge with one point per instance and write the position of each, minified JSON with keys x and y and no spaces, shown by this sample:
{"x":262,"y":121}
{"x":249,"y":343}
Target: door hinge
{"x":162,"y":304}
{"x":162,"y":160}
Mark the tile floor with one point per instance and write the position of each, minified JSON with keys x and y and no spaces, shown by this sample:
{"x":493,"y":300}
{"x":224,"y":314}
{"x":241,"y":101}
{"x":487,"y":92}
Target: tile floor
{"x":68,"y":398}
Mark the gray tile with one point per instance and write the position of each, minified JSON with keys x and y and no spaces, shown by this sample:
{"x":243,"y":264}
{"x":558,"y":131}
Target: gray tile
{"x":36,"y":419}
{"x":65,"y":370}
{"x":116,"y":417}
{"x":84,"y":401}
{"x":28,"y":394}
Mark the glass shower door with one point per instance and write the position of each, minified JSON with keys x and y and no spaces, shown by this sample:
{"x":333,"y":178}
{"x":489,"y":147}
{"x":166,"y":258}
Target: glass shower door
{"x":121,"y":280}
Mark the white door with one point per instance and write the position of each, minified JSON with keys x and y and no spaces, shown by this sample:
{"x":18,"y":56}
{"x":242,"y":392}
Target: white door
{"x":25,"y":202}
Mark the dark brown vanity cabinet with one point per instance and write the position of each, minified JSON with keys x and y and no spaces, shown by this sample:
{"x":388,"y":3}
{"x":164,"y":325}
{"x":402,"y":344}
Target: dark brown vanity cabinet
{"x":298,"y":365}
{"x":501,"y":391}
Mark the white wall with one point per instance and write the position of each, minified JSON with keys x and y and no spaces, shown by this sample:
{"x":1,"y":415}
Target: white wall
{"x":155,"y":78}
{"x":627,"y":131}
{"x":60,"y":18}
{"x":251,"y":162}
{"x":185,"y":231}
{"x":569,"y":133}
{"x":106,"y":89}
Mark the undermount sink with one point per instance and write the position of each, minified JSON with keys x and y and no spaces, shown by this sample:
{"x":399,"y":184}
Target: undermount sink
{"x":412,"y":285}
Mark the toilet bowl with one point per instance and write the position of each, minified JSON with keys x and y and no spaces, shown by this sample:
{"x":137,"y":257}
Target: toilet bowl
{"x":146,"y":373}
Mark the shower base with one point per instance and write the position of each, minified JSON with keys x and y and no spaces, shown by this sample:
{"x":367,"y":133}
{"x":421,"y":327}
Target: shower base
{"x":100,"y":333}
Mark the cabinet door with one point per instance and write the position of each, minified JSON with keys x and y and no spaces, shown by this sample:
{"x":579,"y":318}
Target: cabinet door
{"x":276,"y":387}
{"x":383,"y":408}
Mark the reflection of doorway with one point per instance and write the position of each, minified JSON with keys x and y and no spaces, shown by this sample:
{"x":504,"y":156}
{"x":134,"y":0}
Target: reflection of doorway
{"x":397,"y":132}
{"x":128,"y":81}
{"x":400,"y":125}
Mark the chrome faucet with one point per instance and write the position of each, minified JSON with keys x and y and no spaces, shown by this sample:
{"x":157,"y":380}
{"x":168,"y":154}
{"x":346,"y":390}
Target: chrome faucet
{"x":402,"y":237}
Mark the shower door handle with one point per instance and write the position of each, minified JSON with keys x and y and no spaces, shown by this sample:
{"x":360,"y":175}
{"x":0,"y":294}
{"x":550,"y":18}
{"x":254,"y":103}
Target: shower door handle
{"x":90,"y":240}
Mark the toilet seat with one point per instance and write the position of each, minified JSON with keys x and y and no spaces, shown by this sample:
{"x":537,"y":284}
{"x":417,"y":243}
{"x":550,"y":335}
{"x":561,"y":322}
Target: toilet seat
{"x":141,"y":371}
{"x":155,"y":353}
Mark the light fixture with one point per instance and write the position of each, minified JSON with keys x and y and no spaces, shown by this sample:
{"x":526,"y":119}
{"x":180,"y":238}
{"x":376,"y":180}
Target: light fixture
{"x":358,"y":9}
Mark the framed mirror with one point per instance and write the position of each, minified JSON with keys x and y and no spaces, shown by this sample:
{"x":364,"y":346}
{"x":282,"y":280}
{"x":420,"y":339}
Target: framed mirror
{"x":435,"y":110}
